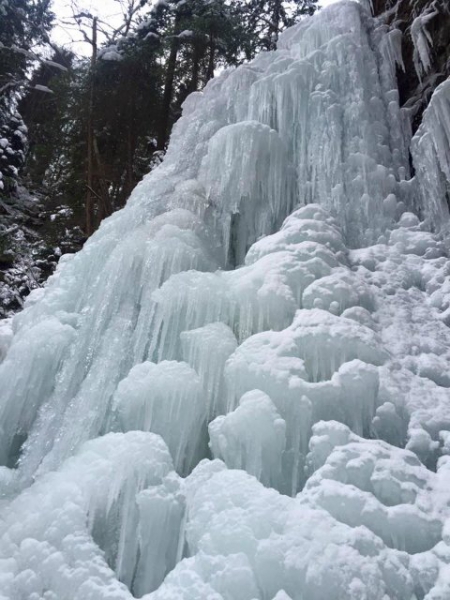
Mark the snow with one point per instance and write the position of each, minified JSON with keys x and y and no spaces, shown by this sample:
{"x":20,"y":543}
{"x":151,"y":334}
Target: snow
{"x":43,"y":88}
{"x":239,"y":388}
{"x":55,"y":65}
{"x":151,"y":35}
{"x":111,"y":53}
{"x":186,"y":34}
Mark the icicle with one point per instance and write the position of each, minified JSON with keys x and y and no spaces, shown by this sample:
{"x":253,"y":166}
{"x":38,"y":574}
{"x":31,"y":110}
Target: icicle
{"x":430,"y":149}
{"x":422,"y":40}
{"x":252,"y":437}
{"x":207,"y":349}
{"x":167,"y":399}
{"x":161,"y":511}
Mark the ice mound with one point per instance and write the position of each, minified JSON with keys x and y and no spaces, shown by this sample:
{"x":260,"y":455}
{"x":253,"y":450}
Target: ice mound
{"x":164,"y":398}
{"x":67,"y":535}
{"x":369,"y":483}
{"x":239,"y":389}
{"x":46,"y":344}
{"x":307,"y":382}
{"x":271,"y":542}
{"x":207,"y":349}
{"x":252,"y":437}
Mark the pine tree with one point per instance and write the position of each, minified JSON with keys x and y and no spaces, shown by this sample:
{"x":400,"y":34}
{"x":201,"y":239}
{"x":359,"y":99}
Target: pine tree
{"x":45,"y":114}
{"x":197,"y":36}
{"x":126,"y":113}
{"x":268,"y":18}
{"x":23,"y":23}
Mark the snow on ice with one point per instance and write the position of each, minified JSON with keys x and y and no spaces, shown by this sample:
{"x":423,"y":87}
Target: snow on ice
{"x":239,"y":388}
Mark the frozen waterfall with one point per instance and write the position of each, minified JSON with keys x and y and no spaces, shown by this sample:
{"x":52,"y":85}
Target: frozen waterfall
{"x":240,"y":389}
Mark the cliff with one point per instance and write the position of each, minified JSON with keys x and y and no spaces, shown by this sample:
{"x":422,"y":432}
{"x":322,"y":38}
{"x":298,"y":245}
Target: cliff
{"x":425,"y":25}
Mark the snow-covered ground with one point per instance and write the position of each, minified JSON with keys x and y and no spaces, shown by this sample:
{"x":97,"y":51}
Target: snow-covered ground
{"x":240,"y":387}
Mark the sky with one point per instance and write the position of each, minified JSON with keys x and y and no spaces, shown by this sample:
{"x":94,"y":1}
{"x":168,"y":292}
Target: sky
{"x":66,"y":34}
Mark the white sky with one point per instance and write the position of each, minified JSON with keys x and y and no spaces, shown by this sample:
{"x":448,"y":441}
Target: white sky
{"x":65,"y":34}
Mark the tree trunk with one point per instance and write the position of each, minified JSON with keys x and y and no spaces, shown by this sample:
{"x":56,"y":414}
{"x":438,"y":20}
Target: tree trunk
{"x":211,"y":57}
{"x":89,"y":208}
{"x":105,"y":206}
{"x":168,"y":88}
{"x":196,"y":56}
{"x":131,"y":146}
{"x":274,"y":27}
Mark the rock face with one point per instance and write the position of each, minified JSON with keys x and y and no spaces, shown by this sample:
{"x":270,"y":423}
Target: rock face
{"x":423,"y":23}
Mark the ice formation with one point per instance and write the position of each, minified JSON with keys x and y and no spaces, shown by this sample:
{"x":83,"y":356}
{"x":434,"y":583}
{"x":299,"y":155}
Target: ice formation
{"x":239,"y":389}
{"x":431,"y":152}
{"x":422,"y":39}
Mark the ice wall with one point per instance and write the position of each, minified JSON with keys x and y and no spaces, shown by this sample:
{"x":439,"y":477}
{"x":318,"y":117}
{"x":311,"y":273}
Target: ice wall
{"x":239,"y":388}
{"x":431,"y":153}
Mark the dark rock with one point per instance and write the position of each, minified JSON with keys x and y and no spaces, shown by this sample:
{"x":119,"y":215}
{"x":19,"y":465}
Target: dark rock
{"x":401,"y":14}
{"x":6,"y":261}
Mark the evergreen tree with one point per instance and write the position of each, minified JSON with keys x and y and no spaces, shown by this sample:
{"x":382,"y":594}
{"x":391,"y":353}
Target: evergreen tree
{"x":195,"y":36}
{"x":23,"y":23}
{"x":109,"y":120}
{"x":46,"y":114}
{"x":126,"y":114}
{"x":268,"y":18}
